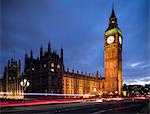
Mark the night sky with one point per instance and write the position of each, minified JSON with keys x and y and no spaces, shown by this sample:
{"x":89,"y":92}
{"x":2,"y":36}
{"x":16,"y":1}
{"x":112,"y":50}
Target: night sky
{"x":78,"y":26}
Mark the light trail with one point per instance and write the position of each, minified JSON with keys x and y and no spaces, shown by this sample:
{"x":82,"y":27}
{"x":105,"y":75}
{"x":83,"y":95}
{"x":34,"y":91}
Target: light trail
{"x":45,"y":94}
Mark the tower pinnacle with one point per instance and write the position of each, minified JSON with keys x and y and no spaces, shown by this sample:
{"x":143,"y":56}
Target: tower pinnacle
{"x":113,"y":13}
{"x":49,"y":47}
{"x":112,"y":20}
{"x":41,"y":51}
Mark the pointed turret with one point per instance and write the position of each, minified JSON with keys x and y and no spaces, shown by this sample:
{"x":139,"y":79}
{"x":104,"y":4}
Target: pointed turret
{"x":5,"y":75}
{"x":112,"y":21}
{"x":25,"y":55}
{"x":19,"y":63}
{"x":49,"y":47}
{"x":8,"y":63}
{"x":41,"y":51}
{"x":5,"y":70}
{"x":11,"y":60}
{"x":72,"y":71}
{"x":113,"y":13}
{"x":61,"y":53}
{"x":96,"y":76}
{"x":113,"y":25}
{"x":31,"y":54}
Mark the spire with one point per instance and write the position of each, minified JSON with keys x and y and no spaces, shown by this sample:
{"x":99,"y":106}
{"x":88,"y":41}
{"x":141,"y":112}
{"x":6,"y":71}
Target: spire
{"x":113,"y":16}
{"x":61,"y":53}
{"x":5,"y":72}
{"x":67,"y":70}
{"x":112,"y":20}
{"x":49,"y":47}
{"x":113,"y":13}
{"x":11,"y":60}
{"x":73,"y":71}
{"x":31,"y":55}
{"x":25,"y":55}
{"x":19,"y":63}
{"x":41,"y":51}
{"x":8,"y":63}
{"x":96,"y":76}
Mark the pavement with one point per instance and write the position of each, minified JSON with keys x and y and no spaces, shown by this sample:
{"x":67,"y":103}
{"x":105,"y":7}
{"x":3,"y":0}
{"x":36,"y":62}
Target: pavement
{"x":109,"y":107}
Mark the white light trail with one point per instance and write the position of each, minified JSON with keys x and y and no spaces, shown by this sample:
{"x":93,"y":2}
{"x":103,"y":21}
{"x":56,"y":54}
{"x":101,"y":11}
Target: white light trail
{"x":47,"y":94}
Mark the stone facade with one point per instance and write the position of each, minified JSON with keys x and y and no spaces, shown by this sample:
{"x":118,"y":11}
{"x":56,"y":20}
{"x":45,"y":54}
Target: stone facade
{"x":113,"y":57}
{"x":75,"y":83}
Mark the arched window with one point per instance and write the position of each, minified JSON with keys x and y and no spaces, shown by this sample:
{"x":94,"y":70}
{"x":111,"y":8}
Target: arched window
{"x":52,"y":64}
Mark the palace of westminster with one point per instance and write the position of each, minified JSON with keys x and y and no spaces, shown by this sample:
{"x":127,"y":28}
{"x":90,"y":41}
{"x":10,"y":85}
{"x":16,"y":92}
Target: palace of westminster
{"x":47,"y":74}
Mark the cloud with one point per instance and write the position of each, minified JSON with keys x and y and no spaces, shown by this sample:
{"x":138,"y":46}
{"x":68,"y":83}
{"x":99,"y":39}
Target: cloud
{"x":145,"y":66}
{"x":135,"y":64}
{"x":140,"y":65}
{"x":140,"y":81}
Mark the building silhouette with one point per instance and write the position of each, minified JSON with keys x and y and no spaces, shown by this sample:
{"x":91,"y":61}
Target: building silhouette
{"x":44,"y":73}
{"x":11,"y":81}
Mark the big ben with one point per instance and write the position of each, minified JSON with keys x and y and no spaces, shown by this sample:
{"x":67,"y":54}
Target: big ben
{"x":113,"y":57}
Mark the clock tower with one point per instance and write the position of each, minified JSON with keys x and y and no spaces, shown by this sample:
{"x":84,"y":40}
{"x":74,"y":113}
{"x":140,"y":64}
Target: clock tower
{"x":113,"y":57}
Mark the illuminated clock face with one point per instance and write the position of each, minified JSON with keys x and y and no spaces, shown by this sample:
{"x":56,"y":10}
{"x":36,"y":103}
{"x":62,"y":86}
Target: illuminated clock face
{"x":110,"y":39}
{"x":120,"y":40}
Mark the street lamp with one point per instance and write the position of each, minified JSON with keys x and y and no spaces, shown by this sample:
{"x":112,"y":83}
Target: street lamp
{"x":94,"y":90}
{"x":25,"y":83}
{"x":116,"y":92}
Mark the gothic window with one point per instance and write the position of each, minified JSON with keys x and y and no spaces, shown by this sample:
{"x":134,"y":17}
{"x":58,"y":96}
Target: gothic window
{"x":33,"y":69}
{"x":9,"y":78}
{"x":52,"y":70}
{"x":44,"y":65}
{"x":58,"y":66}
{"x":52,"y":64}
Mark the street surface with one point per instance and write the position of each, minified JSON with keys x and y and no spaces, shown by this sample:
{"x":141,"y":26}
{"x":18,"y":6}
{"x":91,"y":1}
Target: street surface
{"x":89,"y":107}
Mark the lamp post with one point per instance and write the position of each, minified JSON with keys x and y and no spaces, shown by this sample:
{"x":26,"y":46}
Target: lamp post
{"x":94,"y":90}
{"x":116,"y":93}
{"x":24,"y":84}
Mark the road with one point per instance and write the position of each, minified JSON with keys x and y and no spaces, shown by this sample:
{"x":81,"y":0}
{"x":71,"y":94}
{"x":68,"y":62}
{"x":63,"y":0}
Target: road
{"x":110,"y":107}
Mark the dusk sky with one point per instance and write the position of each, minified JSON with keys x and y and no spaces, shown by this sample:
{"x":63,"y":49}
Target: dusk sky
{"x":78,"y":26}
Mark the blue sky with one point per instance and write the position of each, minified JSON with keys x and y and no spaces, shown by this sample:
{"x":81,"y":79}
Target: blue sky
{"x":78,"y":26}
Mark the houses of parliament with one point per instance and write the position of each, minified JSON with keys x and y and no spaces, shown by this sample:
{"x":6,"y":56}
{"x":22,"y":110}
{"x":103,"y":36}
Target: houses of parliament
{"x":47,"y":73}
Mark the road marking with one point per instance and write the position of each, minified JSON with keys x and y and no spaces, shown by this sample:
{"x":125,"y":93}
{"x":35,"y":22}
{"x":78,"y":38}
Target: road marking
{"x":120,"y":108}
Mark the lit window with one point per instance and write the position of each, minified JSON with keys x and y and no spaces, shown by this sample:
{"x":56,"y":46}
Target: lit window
{"x":52,"y":70}
{"x":52,"y":64}
{"x":9,"y":78}
{"x":58,"y":66}
{"x":44,"y":65}
{"x":113,"y":22}
{"x":32,"y":69}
